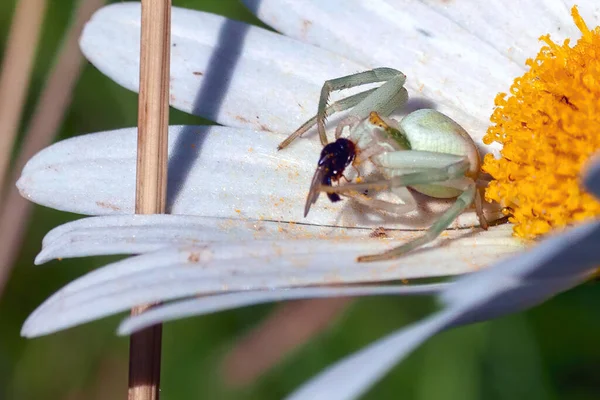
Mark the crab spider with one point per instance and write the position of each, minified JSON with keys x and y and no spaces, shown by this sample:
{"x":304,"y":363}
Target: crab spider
{"x":426,"y":151}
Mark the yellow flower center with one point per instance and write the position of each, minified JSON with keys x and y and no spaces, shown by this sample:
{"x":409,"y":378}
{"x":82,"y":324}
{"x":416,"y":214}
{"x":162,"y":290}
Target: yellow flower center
{"x":549,"y":127}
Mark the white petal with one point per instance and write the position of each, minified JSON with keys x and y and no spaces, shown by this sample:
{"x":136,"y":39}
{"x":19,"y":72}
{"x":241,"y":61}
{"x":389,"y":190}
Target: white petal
{"x":444,"y":62}
{"x":213,"y":171}
{"x":227,"y":71}
{"x":516,"y":274}
{"x":510,"y":286}
{"x":136,"y":234}
{"x":567,"y":255}
{"x":511,"y":31}
{"x":511,"y":296}
{"x":253,"y":265}
{"x":352,"y":376}
{"x":212,"y":304}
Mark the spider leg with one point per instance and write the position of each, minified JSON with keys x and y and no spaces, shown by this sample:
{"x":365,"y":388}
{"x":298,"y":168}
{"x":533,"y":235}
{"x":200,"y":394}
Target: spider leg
{"x":371,"y":151}
{"x":350,"y":121}
{"x":479,"y":210}
{"x":384,"y":100}
{"x":340,"y":105}
{"x":408,"y":202}
{"x":462,"y":202}
{"x":420,"y":177}
{"x":477,"y":201}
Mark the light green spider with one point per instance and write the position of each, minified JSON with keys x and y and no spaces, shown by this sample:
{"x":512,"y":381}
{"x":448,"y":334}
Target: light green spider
{"x":426,"y":151}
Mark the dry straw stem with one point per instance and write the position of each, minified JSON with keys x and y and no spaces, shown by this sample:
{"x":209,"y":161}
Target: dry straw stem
{"x":153,"y":108}
{"x":47,"y":117}
{"x":151,"y":179}
{"x":16,"y":70}
{"x":290,"y":326}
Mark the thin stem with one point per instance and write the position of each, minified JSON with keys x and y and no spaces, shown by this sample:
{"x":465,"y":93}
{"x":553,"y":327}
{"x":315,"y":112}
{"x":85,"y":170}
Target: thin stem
{"x":287,"y":328}
{"x":47,"y":117}
{"x":153,"y":118}
{"x":16,"y":72}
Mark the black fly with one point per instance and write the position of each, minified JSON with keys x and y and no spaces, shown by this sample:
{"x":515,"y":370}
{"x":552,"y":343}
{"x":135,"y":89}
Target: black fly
{"x":334,"y":159}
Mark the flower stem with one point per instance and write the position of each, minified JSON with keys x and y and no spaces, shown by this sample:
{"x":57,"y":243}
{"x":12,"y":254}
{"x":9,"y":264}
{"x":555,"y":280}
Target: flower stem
{"x":15,"y":76}
{"x":151,"y":179}
{"x":286,"y":329}
{"x":48,"y":115}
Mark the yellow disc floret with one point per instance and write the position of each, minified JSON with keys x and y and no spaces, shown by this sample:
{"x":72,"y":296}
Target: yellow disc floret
{"x":549,"y":127}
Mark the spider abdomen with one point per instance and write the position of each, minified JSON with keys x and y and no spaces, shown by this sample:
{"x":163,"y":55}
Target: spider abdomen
{"x":430,"y":130}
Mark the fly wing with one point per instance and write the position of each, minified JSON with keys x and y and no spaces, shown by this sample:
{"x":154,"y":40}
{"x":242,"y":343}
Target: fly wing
{"x":315,"y":185}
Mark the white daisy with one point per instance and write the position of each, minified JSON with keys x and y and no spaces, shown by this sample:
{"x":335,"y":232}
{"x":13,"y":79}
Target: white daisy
{"x":236,"y":203}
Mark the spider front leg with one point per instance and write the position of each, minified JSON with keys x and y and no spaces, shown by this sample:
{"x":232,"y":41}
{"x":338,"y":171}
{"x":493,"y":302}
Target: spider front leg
{"x":384,"y":99}
{"x":408,"y":202}
{"x":338,"y":106}
{"x":426,"y":168}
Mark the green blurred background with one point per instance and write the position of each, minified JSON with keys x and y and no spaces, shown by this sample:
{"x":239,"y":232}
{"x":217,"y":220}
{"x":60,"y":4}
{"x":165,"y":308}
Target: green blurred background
{"x":550,"y":352}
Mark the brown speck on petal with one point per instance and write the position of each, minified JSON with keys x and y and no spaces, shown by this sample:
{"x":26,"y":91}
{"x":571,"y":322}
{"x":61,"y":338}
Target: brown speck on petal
{"x":265,"y":128}
{"x":379,"y":232}
{"x":306,"y":24}
{"x":194,"y":257}
{"x":104,"y":204}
